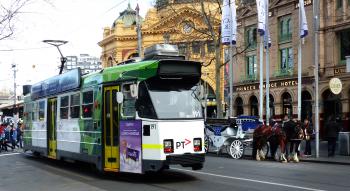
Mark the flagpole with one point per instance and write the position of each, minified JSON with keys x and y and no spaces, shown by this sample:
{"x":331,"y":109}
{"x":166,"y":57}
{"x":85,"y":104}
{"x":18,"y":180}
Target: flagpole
{"x":267,"y":64}
{"x":261,"y":76}
{"x":316,"y":26}
{"x":299,"y":65}
{"x":231,"y":80}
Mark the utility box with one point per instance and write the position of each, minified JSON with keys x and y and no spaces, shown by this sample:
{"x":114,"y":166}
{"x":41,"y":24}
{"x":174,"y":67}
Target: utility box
{"x":344,"y":143}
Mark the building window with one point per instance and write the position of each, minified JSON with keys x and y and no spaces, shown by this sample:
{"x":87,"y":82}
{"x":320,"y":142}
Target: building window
{"x":88,"y":99}
{"x":196,"y":48}
{"x":339,"y":4}
{"x":211,"y":46}
{"x":250,"y":34}
{"x":183,"y":49}
{"x":344,"y":38}
{"x":286,"y":59}
{"x":74,"y":105}
{"x":251,"y":65}
{"x":64,"y":105}
{"x":285,"y":29}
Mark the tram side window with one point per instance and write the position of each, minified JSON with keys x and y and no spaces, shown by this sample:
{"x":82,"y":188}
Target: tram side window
{"x":88,"y":99}
{"x":74,"y":105}
{"x":35,"y":115}
{"x":128,"y":107}
{"x":41,"y":110}
{"x":64,"y":107}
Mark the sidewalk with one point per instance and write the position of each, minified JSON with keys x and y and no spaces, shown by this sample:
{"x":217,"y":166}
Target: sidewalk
{"x":323,"y":154}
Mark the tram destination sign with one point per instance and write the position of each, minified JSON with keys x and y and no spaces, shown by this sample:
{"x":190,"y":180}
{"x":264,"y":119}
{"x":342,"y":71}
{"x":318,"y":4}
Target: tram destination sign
{"x":273,"y":84}
{"x":57,"y":84}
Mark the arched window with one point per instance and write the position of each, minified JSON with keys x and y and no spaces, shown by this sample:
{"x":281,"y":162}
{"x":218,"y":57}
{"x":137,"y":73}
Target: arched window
{"x":253,"y":102}
{"x":306,"y":106}
{"x":287,"y":104}
{"x":239,"y":106}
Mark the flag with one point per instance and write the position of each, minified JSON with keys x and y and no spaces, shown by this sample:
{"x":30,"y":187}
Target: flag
{"x":261,"y":6}
{"x":228,"y":22}
{"x":302,"y":20}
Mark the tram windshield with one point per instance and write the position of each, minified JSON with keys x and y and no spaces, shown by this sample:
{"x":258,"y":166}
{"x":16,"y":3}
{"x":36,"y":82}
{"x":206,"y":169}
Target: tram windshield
{"x":170,"y":101}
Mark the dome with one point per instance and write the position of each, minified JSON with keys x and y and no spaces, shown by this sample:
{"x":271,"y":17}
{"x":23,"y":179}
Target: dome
{"x":128,"y":17}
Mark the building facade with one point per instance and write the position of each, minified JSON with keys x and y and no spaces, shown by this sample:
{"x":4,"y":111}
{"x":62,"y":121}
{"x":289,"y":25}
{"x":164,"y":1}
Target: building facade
{"x":284,"y":30}
{"x":177,"y":22}
{"x":85,"y":62}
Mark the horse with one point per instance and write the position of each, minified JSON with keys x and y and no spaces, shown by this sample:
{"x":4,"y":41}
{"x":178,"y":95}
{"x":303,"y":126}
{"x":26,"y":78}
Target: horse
{"x":272,"y":134}
{"x":294,"y":137}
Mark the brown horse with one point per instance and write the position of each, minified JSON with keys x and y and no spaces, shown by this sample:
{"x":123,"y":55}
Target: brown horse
{"x":276,"y":135}
{"x":273,"y":135}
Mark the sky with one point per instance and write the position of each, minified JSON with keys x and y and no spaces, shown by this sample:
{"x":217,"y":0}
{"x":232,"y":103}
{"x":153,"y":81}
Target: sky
{"x":80,"y":22}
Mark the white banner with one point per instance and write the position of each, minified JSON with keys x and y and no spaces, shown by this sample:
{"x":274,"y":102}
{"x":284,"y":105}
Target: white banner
{"x":303,"y":23}
{"x":226,"y":23}
{"x":260,"y":4}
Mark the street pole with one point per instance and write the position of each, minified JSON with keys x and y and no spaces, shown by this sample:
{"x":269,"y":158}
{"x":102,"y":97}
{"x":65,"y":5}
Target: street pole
{"x":316,"y":68}
{"x":231,"y":80}
{"x":261,"y":76}
{"x":14,"y":91}
{"x":299,"y":70}
{"x":267,"y":65}
{"x":138,"y":30}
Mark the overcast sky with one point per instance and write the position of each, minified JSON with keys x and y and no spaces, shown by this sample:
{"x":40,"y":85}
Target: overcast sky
{"x":80,"y":22}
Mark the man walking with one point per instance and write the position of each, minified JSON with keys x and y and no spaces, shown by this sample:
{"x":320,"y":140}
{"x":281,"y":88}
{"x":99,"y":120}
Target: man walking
{"x":332,"y":129}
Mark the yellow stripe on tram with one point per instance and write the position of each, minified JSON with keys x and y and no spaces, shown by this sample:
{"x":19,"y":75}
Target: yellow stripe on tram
{"x":152,"y":146}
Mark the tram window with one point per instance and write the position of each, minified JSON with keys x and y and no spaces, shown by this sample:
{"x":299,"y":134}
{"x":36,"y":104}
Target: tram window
{"x":87,"y":104}
{"x":74,"y":105}
{"x":128,"y":106}
{"x":64,"y":107}
{"x":41,"y":110}
{"x":35,"y":112}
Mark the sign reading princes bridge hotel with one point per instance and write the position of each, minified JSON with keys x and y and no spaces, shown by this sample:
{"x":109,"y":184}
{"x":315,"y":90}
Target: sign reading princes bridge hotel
{"x":273,"y":84}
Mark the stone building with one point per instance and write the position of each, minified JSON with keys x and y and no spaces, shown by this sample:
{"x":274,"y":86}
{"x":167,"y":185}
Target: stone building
{"x":177,"y":22}
{"x":334,"y":45}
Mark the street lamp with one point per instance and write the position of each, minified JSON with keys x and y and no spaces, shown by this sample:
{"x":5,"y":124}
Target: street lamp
{"x":58,"y":43}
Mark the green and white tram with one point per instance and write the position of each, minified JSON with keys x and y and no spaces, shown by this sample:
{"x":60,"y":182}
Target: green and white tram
{"x":134,"y":117}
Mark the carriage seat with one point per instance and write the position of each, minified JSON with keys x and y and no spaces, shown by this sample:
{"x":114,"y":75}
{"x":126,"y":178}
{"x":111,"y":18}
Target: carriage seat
{"x":221,"y":130}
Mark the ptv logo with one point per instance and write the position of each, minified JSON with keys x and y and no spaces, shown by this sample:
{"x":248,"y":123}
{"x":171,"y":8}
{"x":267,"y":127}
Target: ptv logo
{"x":182,"y":143}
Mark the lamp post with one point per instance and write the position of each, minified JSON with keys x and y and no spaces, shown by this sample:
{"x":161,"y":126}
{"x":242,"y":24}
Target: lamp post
{"x":14,"y":90}
{"x":58,"y":43}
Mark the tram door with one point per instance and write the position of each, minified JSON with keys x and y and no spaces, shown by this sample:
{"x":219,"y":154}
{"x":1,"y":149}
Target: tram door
{"x":51,"y":127}
{"x":111,"y":129}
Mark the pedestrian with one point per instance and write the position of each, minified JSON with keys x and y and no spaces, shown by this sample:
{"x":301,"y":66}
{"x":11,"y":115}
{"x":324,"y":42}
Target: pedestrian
{"x":308,"y":132}
{"x":332,"y":129}
{"x":13,"y":137}
{"x":19,"y":135}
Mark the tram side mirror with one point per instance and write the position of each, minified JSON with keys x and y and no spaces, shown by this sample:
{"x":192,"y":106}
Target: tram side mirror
{"x":133,"y":90}
{"x":120,"y":97}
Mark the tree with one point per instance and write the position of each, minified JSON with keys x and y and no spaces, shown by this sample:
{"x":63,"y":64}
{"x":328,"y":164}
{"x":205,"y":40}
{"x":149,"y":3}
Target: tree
{"x":9,"y":10}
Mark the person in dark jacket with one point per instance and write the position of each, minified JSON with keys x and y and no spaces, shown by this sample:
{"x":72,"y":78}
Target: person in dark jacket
{"x":308,"y":131}
{"x":332,"y":129}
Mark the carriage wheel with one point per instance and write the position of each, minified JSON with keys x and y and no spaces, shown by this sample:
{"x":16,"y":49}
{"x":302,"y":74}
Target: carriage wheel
{"x":236,"y":149}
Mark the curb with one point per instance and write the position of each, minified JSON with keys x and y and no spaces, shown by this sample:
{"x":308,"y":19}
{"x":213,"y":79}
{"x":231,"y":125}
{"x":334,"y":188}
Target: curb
{"x":324,"y":162}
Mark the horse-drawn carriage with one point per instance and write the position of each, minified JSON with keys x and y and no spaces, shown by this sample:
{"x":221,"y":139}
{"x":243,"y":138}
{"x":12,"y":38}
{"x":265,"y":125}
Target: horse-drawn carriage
{"x":231,"y":135}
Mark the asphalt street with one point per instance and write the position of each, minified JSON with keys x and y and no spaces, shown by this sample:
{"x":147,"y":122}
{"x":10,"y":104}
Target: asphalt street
{"x":25,"y":172}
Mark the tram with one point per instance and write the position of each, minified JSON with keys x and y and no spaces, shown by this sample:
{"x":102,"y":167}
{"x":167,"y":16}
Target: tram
{"x":136,"y":117}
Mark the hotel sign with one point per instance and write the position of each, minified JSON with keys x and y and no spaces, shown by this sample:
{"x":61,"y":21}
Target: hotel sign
{"x":335,"y":85}
{"x":273,"y":84}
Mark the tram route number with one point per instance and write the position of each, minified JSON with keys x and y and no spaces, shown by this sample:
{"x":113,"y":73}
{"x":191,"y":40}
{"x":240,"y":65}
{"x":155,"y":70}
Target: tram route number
{"x":182,"y":143}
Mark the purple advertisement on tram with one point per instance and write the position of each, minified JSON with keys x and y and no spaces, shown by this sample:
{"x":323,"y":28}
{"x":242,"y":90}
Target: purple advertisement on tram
{"x":130,"y":146}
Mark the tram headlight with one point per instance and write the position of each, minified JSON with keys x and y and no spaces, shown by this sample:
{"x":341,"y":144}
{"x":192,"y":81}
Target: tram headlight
{"x":168,"y":146}
{"x":197,"y":144}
